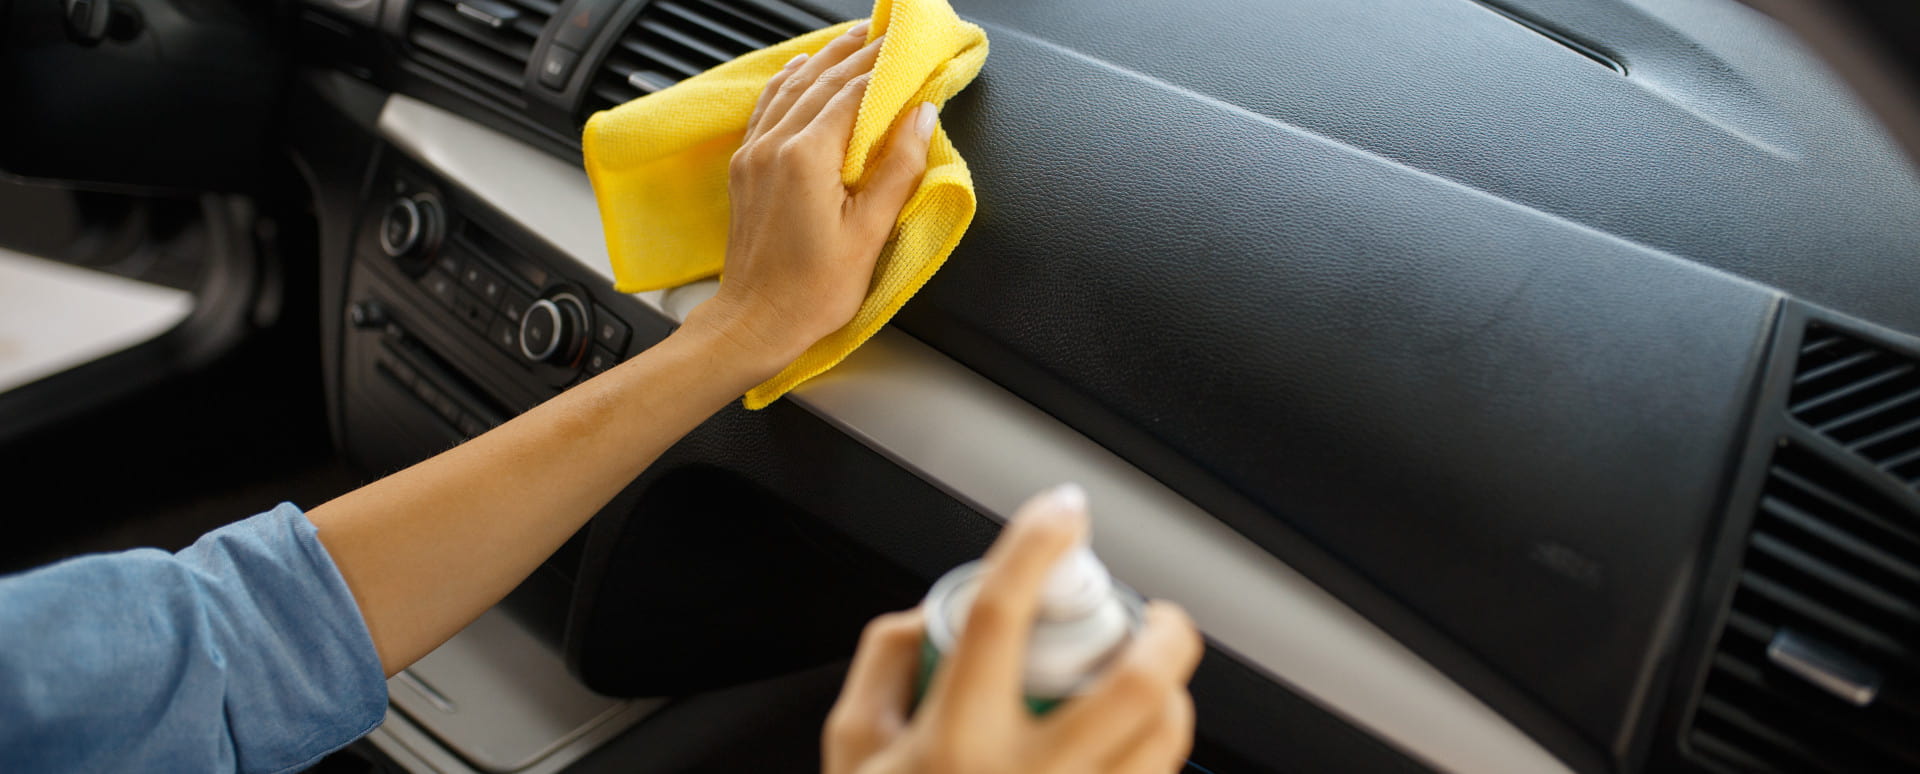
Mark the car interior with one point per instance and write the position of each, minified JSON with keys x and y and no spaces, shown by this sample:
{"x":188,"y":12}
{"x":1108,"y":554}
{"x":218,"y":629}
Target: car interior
{"x":1502,"y":385}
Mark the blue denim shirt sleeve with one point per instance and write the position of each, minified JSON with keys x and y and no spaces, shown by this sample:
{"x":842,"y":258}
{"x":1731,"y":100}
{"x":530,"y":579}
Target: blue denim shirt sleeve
{"x":244,"y":652}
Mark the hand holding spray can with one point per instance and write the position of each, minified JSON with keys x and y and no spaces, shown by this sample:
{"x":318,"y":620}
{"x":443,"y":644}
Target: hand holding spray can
{"x":1082,"y":620}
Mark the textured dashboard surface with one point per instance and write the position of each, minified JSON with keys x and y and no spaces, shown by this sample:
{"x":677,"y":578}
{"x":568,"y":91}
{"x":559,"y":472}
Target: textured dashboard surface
{"x":1726,"y":143}
{"x":1470,"y":312}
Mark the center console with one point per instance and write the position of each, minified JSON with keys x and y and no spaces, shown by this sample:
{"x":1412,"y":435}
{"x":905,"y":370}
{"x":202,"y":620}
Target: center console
{"x":454,"y":326}
{"x":452,"y":323}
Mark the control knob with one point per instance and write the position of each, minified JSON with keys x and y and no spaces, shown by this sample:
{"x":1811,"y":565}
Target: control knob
{"x":553,"y":330}
{"x":410,"y":230}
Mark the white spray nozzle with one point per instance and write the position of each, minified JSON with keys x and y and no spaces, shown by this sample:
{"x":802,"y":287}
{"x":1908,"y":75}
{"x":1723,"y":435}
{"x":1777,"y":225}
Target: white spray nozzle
{"x":1076,"y":586}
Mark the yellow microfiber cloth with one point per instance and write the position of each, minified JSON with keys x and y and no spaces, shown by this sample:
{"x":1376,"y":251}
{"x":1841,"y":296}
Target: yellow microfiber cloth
{"x":659,"y":168}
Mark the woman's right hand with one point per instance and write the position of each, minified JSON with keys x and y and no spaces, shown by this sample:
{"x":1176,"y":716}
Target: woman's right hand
{"x":801,"y":246}
{"x":1136,"y":717}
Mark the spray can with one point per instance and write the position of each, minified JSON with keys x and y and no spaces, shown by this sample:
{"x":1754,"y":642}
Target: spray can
{"x":1082,"y":621}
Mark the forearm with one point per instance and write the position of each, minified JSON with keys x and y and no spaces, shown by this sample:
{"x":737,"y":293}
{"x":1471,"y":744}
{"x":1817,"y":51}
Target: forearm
{"x":428,"y":549}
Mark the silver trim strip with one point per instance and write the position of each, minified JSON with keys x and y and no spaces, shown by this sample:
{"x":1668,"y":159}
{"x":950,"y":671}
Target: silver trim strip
{"x":989,"y":448}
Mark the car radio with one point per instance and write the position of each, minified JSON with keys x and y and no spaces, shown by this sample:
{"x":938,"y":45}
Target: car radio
{"x":452,"y":326}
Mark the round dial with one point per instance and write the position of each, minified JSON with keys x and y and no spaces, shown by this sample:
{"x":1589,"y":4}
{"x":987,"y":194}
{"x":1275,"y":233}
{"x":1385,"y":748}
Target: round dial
{"x":409,"y":230}
{"x":553,"y":330}
{"x":401,"y":228}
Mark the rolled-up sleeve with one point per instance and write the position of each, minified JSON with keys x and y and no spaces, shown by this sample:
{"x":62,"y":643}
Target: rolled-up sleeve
{"x":244,"y":652}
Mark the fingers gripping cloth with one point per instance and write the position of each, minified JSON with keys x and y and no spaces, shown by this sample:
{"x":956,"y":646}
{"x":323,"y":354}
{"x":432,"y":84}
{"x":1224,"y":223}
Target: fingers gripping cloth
{"x":659,"y":169}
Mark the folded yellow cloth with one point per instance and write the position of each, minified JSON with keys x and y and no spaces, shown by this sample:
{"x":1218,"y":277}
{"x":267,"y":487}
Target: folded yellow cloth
{"x":659,"y":168}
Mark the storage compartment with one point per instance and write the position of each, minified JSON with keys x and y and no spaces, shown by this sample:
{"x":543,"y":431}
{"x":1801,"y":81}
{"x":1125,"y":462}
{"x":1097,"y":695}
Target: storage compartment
{"x":709,"y":580}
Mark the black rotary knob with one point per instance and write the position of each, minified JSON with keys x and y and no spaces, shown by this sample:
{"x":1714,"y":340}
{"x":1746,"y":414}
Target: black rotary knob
{"x":409,"y":230}
{"x":553,"y":330}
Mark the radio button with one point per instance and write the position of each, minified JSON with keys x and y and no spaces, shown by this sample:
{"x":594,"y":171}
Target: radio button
{"x":472,"y":311}
{"x":483,"y":281}
{"x":599,"y":360}
{"x":505,"y":335}
{"x":515,"y":307}
{"x":443,"y":288}
{"x":610,"y":331}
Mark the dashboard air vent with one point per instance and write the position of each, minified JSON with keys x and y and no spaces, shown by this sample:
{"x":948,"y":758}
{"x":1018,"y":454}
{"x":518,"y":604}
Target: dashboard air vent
{"x":484,"y":44}
{"x":677,"y":39}
{"x":1862,"y":397}
{"x":1814,"y":669}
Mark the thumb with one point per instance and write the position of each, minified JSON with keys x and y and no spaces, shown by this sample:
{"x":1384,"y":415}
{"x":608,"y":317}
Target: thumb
{"x":894,"y":179}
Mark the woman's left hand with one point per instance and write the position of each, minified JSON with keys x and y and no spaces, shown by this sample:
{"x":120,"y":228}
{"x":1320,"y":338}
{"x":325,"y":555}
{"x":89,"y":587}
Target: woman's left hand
{"x":1135,"y":718}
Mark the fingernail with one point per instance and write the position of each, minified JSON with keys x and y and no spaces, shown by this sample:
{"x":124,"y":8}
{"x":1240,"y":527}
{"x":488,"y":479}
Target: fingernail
{"x":1067,"y":497}
{"x":858,"y":29}
{"x":923,"y":124}
{"x":877,"y":41}
{"x":796,"y":60}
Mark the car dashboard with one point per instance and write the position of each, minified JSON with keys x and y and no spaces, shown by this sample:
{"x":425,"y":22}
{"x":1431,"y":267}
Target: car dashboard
{"x":1503,"y":386}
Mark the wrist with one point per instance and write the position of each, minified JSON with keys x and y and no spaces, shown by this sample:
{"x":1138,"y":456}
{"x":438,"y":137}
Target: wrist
{"x":736,"y":343}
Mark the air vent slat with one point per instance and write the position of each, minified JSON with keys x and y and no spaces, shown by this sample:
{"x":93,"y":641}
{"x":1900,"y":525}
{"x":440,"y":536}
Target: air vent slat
{"x":483,"y":48}
{"x":1753,"y":628}
{"x":619,"y":66}
{"x":1809,"y":609}
{"x":464,"y":54}
{"x":1754,"y":728}
{"x":1828,"y":591}
{"x":737,"y":37}
{"x":714,"y":54}
{"x":615,"y":95}
{"x":1819,"y":341}
{"x":1862,"y":396}
{"x":1876,"y":440}
{"x":1739,"y":670}
{"x":1722,"y":749}
{"x":680,"y":68}
{"x":752,"y":23}
{"x":531,"y":28}
{"x":1846,"y":387}
{"x":1780,"y":715}
{"x":1836,"y":505}
{"x":1881,"y":602}
{"x":1848,"y":427}
{"x":1872,"y":555}
{"x":1813,"y":375}
{"x":450,"y":21}
{"x":1896,"y":460}
{"x":673,"y":40}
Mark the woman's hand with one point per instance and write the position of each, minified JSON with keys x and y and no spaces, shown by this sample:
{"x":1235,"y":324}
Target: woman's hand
{"x":802,"y":246}
{"x":1136,"y":717}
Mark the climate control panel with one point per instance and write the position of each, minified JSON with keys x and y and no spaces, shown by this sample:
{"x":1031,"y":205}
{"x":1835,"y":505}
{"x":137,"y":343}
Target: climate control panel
{"x":450,"y":325}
